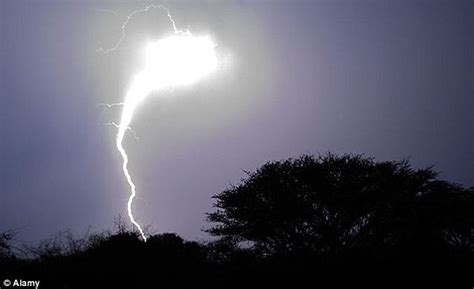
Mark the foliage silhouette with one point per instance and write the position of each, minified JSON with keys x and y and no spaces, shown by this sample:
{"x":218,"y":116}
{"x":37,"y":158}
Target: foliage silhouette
{"x":6,"y":247}
{"x":347,"y":208}
{"x":328,"y":219}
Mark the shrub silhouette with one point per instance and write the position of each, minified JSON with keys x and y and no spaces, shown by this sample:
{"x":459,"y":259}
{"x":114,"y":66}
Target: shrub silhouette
{"x":347,"y":208}
{"x":114,"y":260}
{"x":6,"y":248}
{"x":298,"y":220}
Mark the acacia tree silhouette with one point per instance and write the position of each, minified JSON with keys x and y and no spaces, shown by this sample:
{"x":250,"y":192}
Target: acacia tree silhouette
{"x":343,"y":207}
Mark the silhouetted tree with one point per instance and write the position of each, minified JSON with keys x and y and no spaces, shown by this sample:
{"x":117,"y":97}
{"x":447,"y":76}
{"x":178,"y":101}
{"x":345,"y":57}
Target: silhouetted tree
{"x":6,"y":251}
{"x":345,"y":207}
{"x":288,"y":218}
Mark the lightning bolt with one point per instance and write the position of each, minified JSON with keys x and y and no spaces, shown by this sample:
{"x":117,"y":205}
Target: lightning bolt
{"x":117,"y":126}
{"x":127,"y":113}
{"x":181,"y":59}
{"x":110,"y":105}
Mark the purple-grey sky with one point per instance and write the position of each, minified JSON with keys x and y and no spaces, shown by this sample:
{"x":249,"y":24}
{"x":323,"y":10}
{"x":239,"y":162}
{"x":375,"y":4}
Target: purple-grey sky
{"x":390,"y":79}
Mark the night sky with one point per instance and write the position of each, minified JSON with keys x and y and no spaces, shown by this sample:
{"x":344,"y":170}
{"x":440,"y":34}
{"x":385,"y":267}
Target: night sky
{"x":388,"y":79}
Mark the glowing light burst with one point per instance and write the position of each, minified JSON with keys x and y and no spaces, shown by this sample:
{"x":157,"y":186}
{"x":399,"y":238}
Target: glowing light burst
{"x":177,"y":60}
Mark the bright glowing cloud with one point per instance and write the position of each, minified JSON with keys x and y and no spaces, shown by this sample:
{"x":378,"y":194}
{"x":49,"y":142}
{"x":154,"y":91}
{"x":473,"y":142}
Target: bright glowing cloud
{"x":179,"y":60}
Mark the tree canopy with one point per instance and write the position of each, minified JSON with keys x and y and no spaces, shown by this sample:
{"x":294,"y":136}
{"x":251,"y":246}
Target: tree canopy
{"x":345,"y":206}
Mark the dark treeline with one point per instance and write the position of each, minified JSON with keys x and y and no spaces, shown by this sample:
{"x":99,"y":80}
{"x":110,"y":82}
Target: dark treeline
{"x":328,"y":219}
